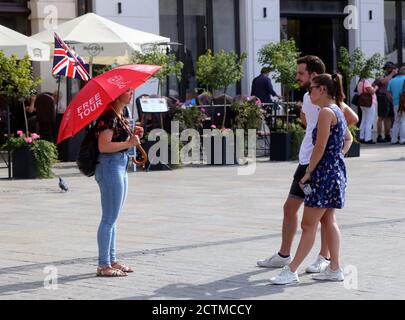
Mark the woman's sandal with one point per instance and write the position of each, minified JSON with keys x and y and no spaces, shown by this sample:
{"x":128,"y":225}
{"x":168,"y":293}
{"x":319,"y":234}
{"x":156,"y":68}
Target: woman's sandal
{"x":110,"y":272}
{"x":121,"y":267}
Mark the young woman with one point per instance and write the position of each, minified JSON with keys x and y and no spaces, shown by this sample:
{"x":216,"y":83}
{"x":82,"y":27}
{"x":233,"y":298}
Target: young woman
{"x":324,"y":182}
{"x":114,"y":140}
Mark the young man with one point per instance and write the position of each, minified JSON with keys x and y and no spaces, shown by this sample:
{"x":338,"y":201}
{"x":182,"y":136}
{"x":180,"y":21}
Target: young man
{"x":307,"y":68}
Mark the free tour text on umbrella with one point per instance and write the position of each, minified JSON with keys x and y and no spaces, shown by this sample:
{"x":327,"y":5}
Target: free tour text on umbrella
{"x":89,"y":106}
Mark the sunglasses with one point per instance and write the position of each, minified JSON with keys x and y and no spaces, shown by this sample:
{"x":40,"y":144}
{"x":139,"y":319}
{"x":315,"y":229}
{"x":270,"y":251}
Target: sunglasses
{"x":310,"y":88}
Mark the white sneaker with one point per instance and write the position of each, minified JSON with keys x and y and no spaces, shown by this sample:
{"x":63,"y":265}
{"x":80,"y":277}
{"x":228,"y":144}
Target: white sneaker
{"x":285,"y":277}
{"x":274,"y":262}
{"x":330,"y":275}
{"x":319,"y":265}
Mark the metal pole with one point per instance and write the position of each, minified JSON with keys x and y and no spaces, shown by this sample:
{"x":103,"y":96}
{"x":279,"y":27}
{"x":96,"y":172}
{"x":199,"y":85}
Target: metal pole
{"x":8,"y":136}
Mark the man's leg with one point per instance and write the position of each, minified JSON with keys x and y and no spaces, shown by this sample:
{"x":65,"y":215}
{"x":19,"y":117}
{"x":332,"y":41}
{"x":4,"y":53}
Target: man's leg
{"x":290,"y":223}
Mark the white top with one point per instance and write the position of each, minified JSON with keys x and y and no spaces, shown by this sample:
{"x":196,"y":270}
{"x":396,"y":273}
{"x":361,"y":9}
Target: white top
{"x":311,"y":112}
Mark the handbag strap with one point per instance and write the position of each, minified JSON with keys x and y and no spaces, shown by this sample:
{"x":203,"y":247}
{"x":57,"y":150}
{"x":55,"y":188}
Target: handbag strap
{"x":126,"y":127}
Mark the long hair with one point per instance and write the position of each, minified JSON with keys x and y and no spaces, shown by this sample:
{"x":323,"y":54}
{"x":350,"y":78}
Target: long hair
{"x":334,"y":86}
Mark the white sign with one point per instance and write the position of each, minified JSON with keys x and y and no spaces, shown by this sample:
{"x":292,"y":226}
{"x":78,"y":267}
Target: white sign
{"x":154,"y":105}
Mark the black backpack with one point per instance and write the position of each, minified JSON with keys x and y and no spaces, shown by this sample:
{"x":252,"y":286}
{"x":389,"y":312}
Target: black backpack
{"x":87,"y":158}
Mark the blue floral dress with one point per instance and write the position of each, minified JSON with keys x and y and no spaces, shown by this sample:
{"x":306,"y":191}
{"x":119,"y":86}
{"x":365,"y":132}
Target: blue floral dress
{"x":328,"y":180}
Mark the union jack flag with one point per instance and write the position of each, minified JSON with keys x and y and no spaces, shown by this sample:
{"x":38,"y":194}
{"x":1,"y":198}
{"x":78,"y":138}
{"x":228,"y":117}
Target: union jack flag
{"x":68,"y":63}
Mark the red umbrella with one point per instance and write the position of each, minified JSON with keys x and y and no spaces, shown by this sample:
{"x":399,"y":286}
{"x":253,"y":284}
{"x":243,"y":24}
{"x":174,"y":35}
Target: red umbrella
{"x":91,"y":101}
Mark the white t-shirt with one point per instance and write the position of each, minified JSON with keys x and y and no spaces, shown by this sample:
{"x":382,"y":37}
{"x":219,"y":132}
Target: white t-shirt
{"x":311,"y":112}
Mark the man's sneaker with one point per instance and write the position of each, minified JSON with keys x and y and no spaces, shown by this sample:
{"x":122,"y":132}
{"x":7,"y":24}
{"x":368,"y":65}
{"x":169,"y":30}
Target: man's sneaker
{"x":380,"y":139}
{"x":387,"y":139}
{"x":319,"y":265}
{"x":274,"y":262}
{"x":330,"y":275}
{"x":286,"y":276}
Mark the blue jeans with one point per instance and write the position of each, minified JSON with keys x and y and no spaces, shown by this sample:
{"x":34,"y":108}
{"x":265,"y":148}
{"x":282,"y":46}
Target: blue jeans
{"x":111,"y":176}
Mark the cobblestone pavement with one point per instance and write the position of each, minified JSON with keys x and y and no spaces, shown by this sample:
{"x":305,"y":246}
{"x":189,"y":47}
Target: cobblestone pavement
{"x":196,"y":233}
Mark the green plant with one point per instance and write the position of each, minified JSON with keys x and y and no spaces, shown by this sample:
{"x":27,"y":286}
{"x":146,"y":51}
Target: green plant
{"x":45,"y":153}
{"x":16,"y":79}
{"x":297,"y":135}
{"x":354,"y":130}
{"x":100,"y":69}
{"x":356,"y":64}
{"x":281,"y":58}
{"x":219,"y":71}
{"x":155,"y":56}
{"x":248,"y":115}
{"x":189,"y":118}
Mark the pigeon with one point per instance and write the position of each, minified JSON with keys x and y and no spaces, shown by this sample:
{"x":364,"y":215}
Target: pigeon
{"x":63,"y":185}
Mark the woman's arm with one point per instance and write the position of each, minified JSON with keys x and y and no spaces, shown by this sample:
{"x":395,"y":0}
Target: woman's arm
{"x":105,"y":144}
{"x":325,"y":120}
{"x":348,"y":141}
{"x":350,"y":116}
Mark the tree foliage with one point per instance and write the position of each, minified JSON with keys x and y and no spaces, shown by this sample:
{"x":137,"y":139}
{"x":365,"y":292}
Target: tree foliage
{"x":157,"y":57}
{"x":220,"y":70}
{"x":282,"y":58}
{"x":16,"y":77}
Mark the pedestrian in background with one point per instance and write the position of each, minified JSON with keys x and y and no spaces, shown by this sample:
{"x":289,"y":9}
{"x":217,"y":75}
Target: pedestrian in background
{"x":263,"y":88}
{"x":395,"y":88}
{"x":385,"y":108}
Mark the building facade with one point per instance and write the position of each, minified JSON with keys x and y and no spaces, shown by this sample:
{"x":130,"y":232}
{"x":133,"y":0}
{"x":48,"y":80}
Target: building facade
{"x":319,"y":27}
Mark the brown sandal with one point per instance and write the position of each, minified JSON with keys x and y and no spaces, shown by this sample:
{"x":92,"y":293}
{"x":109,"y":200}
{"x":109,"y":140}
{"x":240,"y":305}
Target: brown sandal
{"x":110,"y":272}
{"x":121,"y":267}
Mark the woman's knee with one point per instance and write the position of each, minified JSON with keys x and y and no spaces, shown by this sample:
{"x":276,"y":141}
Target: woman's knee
{"x":308,"y":226}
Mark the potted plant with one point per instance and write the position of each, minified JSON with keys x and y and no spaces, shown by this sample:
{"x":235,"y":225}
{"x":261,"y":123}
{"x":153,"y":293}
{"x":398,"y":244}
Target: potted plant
{"x":219,"y":71}
{"x":16,"y":80}
{"x":281,"y":58}
{"x":31,"y":156}
{"x":354,"y":150}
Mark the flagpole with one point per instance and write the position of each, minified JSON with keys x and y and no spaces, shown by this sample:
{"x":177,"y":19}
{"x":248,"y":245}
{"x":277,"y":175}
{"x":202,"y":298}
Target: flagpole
{"x":70,"y":52}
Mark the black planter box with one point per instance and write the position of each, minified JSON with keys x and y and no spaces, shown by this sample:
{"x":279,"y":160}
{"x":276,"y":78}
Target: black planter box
{"x":24,"y":164}
{"x":280,"y":146}
{"x":354,"y":150}
{"x":146,"y":145}
{"x":223,"y":152}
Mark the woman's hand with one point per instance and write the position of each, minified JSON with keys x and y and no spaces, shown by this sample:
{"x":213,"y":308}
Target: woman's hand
{"x":304,"y":179}
{"x":139,"y":131}
{"x":134,"y":140}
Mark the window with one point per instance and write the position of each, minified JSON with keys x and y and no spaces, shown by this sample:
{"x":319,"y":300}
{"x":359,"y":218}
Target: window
{"x":84,"y":6}
{"x":312,"y":6}
{"x":390,"y":36}
{"x":14,"y":15}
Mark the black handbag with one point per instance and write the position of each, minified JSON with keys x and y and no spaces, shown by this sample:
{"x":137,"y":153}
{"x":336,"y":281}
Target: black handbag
{"x":355,"y":100}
